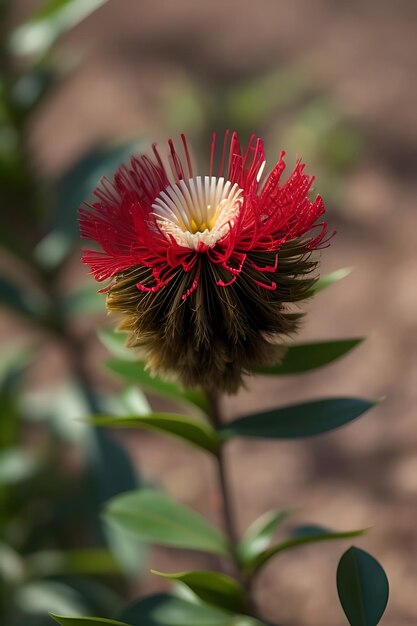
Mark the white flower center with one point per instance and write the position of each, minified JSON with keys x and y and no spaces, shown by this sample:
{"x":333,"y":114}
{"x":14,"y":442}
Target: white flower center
{"x":198,"y":210}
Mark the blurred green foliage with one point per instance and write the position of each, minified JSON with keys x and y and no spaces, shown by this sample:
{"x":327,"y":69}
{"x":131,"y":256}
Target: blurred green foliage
{"x":57,"y":553}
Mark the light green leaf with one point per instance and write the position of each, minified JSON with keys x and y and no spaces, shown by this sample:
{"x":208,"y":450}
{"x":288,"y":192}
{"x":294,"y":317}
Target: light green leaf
{"x":165,"y":609}
{"x":310,"y":536}
{"x":154,"y":517}
{"x":115,"y":342}
{"x":214,"y":588}
{"x":190,"y":430}
{"x":329,"y":279}
{"x":54,"y":18}
{"x":133,"y":400}
{"x":363,"y":587}
{"x":61,"y":407}
{"x":38,"y":597}
{"x":17,"y":465}
{"x":299,"y":420}
{"x":12,"y":565}
{"x":135,"y":371}
{"x":308,"y":356}
{"x":259,"y":534}
{"x":86,"y":621}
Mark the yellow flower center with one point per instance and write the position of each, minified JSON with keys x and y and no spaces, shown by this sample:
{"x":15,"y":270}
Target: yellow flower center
{"x":198,"y":210}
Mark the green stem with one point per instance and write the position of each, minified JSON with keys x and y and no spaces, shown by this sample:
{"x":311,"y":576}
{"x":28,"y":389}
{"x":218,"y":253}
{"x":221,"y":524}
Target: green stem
{"x":229,"y":521}
{"x":228,"y":515}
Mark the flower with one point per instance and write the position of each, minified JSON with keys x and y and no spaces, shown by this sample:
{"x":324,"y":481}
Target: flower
{"x":204,"y":269}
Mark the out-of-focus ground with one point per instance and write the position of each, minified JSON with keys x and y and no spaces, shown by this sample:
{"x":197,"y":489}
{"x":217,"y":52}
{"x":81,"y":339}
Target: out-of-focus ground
{"x":362,"y":55}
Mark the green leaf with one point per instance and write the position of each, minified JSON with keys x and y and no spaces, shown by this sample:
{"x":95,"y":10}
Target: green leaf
{"x":165,"y":609}
{"x":21,"y":300}
{"x":54,"y":18}
{"x":154,"y":517}
{"x":61,"y":407}
{"x":17,"y":465}
{"x":14,"y":361}
{"x":115,"y":342}
{"x":259,"y":534}
{"x":84,"y":301}
{"x":111,"y":472}
{"x":82,"y":561}
{"x":329,"y":279}
{"x":363,"y":587}
{"x":71,"y":190}
{"x":309,"y":536}
{"x":214,"y":588}
{"x":308,"y":356}
{"x":135,"y":371}
{"x":86,"y":621}
{"x":39,"y":597}
{"x":12,"y":566}
{"x":299,"y":420}
{"x":190,"y":430}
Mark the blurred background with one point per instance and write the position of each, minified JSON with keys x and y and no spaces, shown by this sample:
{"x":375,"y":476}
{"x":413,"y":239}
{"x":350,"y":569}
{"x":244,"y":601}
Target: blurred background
{"x":84,"y":83}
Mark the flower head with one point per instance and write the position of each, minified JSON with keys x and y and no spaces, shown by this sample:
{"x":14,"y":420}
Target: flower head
{"x":204,"y":268}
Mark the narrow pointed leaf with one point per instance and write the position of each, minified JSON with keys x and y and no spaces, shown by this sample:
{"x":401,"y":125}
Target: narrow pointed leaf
{"x":154,"y":517}
{"x":299,"y":420}
{"x":164,"y":609}
{"x":86,"y":621}
{"x":191,"y":430}
{"x":329,"y":279}
{"x":135,"y":371}
{"x":363,"y":587}
{"x":259,"y":535}
{"x":309,"y":356}
{"x":214,"y":588}
{"x":310,"y":536}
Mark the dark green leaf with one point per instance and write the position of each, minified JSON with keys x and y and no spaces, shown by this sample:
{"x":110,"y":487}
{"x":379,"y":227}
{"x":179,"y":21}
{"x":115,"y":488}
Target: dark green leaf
{"x":259,"y":535}
{"x":135,"y":371}
{"x":86,"y":621}
{"x":197,"y":433}
{"x":309,"y":356}
{"x":72,"y":189}
{"x":214,"y":588}
{"x":154,"y":517}
{"x":31,"y":88}
{"x":164,"y":609}
{"x":21,"y":300}
{"x":299,"y":420}
{"x":363,"y":588}
{"x":329,"y":279}
{"x":14,"y":361}
{"x":310,"y":536}
{"x":111,"y":472}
